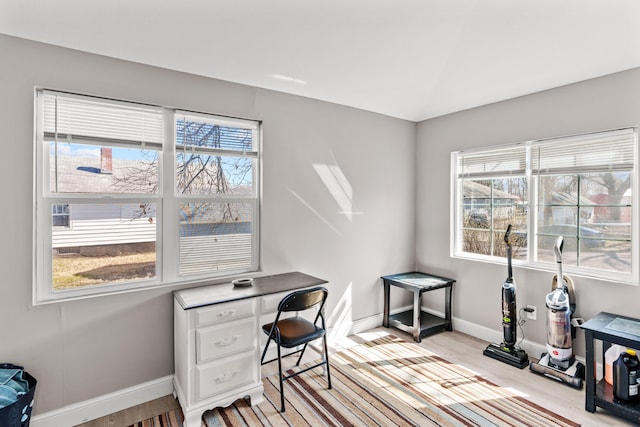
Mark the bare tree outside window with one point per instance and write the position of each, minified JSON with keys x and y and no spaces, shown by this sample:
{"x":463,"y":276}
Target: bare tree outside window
{"x":200,"y":171}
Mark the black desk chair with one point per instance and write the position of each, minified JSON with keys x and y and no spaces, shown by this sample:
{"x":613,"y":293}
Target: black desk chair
{"x":295,"y":331}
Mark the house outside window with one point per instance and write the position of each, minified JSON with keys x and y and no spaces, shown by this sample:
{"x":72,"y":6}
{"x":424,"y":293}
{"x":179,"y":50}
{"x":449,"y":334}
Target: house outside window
{"x":156,"y":196}
{"x":579,"y":187}
{"x":60,"y":215}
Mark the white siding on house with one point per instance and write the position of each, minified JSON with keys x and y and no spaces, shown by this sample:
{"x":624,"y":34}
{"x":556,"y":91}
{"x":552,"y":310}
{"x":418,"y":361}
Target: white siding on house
{"x":92,"y":225}
{"x":201,"y":254}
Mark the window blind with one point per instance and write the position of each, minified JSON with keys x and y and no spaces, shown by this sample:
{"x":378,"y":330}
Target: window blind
{"x":204,"y":132}
{"x":83,"y":120}
{"x":599,"y":152}
{"x":493,"y":163}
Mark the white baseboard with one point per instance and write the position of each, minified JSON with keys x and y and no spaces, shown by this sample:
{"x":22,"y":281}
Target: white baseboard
{"x":360,"y":325}
{"x":477,"y":331}
{"x":91,"y":409}
{"x":487,"y":334}
{"x":113,"y":402}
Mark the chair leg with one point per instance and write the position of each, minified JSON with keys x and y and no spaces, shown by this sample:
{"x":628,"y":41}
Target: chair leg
{"x":264,"y":352}
{"x":301,"y":354}
{"x":326,"y":359}
{"x":281,"y":381}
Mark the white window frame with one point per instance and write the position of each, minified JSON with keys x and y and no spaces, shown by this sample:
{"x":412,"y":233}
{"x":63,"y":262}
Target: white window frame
{"x":531,"y":261}
{"x":166,"y":199}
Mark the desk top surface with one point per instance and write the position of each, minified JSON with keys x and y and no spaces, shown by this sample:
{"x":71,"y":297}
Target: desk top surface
{"x":614,"y":325}
{"x":226,"y":292}
{"x":416,"y":279}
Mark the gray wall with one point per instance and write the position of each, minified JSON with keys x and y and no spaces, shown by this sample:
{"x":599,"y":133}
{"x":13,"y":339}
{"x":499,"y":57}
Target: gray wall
{"x":604,"y":103}
{"x":87,"y":348}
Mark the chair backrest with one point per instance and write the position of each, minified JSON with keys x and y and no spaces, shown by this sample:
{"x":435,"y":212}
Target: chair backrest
{"x":304,"y":299}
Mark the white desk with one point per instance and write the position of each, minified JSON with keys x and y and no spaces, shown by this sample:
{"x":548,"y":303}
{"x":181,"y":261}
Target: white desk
{"x":217,"y":342}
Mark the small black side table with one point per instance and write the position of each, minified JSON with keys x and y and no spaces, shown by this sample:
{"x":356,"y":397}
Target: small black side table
{"x":610,"y":329}
{"x":417,"y":322}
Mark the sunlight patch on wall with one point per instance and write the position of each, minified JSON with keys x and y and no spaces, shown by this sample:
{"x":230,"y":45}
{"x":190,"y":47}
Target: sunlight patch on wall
{"x":316,"y":213}
{"x":339,"y":187}
{"x":341,"y":318}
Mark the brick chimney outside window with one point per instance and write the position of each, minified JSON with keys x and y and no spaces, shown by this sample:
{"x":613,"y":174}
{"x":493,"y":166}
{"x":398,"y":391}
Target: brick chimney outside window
{"x":106,"y":160}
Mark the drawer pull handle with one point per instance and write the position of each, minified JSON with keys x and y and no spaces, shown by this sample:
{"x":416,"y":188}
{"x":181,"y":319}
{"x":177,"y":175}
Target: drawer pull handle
{"x":226,"y":313}
{"x":226,"y":377}
{"x":227,"y":341}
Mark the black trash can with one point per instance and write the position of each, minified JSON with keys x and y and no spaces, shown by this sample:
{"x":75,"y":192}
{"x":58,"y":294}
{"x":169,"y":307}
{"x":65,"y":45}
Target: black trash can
{"x":18,"y":414}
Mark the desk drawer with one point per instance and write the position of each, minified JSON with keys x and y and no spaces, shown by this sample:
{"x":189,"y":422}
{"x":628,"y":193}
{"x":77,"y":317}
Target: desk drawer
{"x":220,"y":313}
{"x":224,"y":375}
{"x":269,"y":303}
{"x":222,"y":340}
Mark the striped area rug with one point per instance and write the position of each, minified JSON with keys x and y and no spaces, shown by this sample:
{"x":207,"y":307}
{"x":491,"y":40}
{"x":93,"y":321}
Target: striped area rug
{"x":388,"y":382}
{"x":168,"y":419}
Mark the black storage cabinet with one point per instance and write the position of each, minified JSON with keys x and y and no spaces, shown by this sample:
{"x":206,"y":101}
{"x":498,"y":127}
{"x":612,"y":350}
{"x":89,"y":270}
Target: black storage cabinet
{"x":610,"y":329}
{"x":18,"y":414}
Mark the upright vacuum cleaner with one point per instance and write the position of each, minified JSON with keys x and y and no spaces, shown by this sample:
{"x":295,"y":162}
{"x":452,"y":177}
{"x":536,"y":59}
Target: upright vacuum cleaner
{"x":559,"y":362}
{"x":506,"y":351}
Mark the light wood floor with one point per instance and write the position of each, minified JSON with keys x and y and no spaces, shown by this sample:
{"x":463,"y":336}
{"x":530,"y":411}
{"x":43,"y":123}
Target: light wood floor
{"x":453,"y":346}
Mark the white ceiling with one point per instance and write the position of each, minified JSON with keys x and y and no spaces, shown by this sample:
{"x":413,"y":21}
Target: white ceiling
{"x":412,"y":59}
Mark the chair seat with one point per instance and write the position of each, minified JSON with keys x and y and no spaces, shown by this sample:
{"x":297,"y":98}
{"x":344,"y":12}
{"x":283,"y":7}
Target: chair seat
{"x":295,"y":331}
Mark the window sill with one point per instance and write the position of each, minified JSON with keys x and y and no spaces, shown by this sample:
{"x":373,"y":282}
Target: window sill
{"x":107,"y":290}
{"x":551,"y":268}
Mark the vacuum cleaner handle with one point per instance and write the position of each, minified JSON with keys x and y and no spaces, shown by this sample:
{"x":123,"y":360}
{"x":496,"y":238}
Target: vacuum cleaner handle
{"x":557,"y":249}
{"x":506,"y":235}
{"x":508,"y":242}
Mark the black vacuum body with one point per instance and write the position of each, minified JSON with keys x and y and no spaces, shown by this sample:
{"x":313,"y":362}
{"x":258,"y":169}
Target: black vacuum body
{"x":509,"y":319}
{"x":506,"y":351}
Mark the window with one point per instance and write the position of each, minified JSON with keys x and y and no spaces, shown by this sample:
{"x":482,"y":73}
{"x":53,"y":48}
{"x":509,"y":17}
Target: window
{"x":493,"y":192}
{"x":578,"y":187}
{"x":131,"y":196}
{"x":60,"y":215}
{"x":215,"y":163}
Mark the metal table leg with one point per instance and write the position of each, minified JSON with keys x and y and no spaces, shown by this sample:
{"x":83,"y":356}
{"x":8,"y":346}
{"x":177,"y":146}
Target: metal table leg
{"x":590,"y":392}
{"x":416,"y":316}
{"x":447,"y":308}
{"x":385,"y":316}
